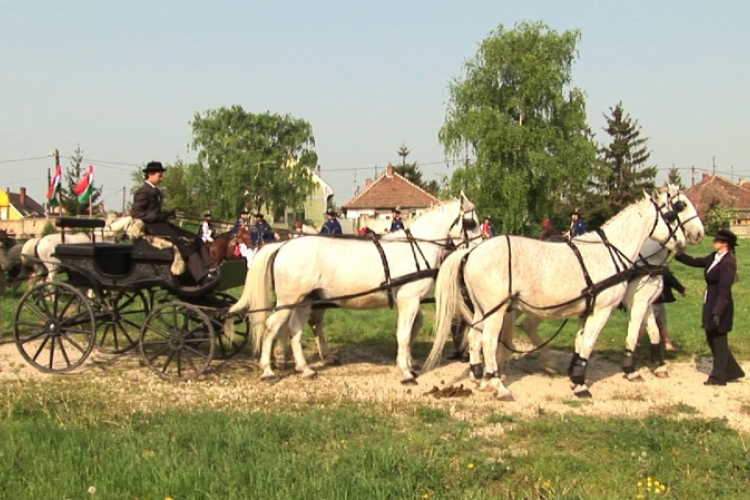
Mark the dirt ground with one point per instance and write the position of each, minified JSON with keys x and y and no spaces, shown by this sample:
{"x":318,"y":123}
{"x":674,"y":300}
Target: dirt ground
{"x":368,"y":375}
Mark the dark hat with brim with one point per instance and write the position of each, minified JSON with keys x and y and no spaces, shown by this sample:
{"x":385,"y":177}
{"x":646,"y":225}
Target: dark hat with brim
{"x":244,"y":212}
{"x":154,"y":166}
{"x":331,"y":213}
{"x":726,"y":235}
{"x":396,"y":211}
{"x":207,"y":215}
{"x":259,"y":216}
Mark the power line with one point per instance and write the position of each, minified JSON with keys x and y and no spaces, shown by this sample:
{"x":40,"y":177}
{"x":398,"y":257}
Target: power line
{"x":20,"y":160}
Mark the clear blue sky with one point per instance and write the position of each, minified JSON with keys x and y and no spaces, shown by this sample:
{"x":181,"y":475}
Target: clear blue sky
{"x":124,"y":78}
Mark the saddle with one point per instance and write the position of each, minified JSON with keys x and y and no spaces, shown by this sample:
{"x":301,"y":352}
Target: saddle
{"x":137,"y":231}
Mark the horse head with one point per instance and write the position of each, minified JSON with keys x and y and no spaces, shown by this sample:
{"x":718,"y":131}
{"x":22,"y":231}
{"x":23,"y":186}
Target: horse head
{"x":683,"y":213}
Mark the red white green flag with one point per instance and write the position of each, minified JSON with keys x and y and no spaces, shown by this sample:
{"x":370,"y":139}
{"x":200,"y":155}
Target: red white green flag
{"x":85,"y":187}
{"x":53,"y":193}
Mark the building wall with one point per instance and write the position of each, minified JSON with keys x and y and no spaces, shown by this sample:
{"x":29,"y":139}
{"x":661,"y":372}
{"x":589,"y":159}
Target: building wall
{"x":8,"y":211}
{"x":31,"y":226}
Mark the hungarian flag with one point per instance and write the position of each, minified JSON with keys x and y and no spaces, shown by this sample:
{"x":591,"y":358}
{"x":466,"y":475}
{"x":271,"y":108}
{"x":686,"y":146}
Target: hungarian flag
{"x":53,"y":193}
{"x":85,"y":187}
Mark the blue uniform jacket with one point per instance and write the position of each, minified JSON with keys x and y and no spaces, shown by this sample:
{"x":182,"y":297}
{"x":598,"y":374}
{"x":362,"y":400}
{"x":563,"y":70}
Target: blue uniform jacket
{"x":397,"y":225}
{"x":577,"y":228}
{"x":331,"y":226}
{"x":262,"y":232}
{"x":236,"y":227}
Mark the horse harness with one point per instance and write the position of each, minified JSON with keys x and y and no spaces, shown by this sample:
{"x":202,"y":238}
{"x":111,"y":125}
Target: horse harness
{"x":625,"y":269}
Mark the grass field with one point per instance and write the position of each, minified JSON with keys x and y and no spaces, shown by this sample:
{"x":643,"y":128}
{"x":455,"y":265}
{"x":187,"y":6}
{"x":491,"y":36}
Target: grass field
{"x":69,"y":438}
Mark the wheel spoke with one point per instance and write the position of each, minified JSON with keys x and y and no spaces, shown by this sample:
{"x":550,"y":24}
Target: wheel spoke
{"x":64,"y":352}
{"x":152,"y":358}
{"x":34,"y":336}
{"x":36,"y":312}
{"x":65,"y":309}
{"x":73,"y":342}
{"x":124,"y":332}
{"x":52,"y":352}
{"x":195,"y":351}
{"x":166,"y":364}
{"x":158,"y":332}
{"x":179,"y":363}
{"x":41,"y":347}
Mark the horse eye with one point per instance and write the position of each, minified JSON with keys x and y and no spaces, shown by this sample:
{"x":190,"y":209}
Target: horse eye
{"x":670,"y":216}
{"x":679,"y":206}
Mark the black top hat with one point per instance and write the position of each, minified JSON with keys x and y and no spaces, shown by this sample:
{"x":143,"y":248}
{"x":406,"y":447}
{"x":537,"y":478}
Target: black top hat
{"x":726,"y":235}
{"x":154,"y":166}
{"x":259,"y":215}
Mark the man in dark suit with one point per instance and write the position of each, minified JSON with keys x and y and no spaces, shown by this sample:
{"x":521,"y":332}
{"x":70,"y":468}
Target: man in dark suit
{"x":147,"y":202}
{"x":720,"y":273}
{"x":331,"y":226}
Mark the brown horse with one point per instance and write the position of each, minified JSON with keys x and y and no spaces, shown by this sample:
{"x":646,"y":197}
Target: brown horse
{"x":224,"y":246}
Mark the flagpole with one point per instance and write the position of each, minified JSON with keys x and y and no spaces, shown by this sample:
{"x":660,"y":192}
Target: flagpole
{"x":59,"y":192}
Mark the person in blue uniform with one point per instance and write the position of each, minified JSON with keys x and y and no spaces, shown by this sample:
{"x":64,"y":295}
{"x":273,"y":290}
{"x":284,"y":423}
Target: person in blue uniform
{"x":262,"y":232}
{"x":720,"y":273}
{"x":397,"y":224}
{"x":331,"y":226}
{"x":577,"y":226}
{"x":242,"y":221}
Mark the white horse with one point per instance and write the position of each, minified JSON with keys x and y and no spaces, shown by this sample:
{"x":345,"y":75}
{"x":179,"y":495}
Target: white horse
{"x":641,"y":293}
{"x":549,"y":280}
{"x":316,"y":319}
{"x":344,"y":270}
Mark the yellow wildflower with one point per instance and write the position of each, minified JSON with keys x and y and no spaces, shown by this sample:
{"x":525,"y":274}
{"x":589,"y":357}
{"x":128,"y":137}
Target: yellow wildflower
{"x":470,"y":466}
{"x":640,"y":484}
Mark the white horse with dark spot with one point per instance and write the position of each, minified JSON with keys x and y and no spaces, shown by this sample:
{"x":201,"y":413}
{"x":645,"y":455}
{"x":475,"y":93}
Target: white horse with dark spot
{"x":549,"y":280}
{"x":350,"y":273}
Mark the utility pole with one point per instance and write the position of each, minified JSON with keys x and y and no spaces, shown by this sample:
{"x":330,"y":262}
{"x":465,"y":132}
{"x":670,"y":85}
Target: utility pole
{"x":692,"y":176}
{"x":123,"y":200}
{"x":713,"y":161}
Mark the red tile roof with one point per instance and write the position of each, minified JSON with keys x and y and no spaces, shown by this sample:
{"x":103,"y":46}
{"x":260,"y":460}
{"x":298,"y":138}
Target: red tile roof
{"x":716,"y":189}
{"x":392,"y":190}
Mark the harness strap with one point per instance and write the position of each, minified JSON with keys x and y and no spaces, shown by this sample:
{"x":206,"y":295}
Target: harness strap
{"x":416,"y":248}
{"x":589,"y":292}
{"x":387,"y":270}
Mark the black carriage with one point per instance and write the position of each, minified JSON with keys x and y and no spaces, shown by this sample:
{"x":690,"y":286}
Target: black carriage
{"x":121,"y":296}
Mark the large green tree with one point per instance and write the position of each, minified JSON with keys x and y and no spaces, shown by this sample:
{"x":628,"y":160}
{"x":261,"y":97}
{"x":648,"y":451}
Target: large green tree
{"x":516,"y":111}
{"x":183,"y":187}
{"x":622,"y":174}
{"x":255,"y":160}
{"x":73,"y":175}
{"x":413,"y":173}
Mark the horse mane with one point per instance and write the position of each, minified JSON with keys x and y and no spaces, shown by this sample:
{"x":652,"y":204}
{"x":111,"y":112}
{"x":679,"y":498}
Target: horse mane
{"x":593,"y":237}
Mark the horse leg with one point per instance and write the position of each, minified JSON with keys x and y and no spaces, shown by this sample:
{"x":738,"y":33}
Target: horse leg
{"x":316,"y":323}
{"x":637,"y":308}
{"x":592,"y":327}
{"x":407,"y":312}
{"x":657,"y":345}
{"x":474,"y":342}
{"x":415,"y":329}
{"x":276,"y":321}
{"x":496,"y":327}
{"x":281,"y":349}
{"x":297,"y":326}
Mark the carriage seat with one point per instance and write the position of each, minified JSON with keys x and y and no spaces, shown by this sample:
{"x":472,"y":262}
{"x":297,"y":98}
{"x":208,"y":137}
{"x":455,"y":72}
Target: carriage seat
{"x":137,"y":233}
{"x":73,"y":222}
{"x":110,"y":258}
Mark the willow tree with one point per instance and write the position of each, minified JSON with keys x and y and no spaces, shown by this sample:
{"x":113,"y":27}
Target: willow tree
{"x":515,"y":110}
{"x":254,"y":160}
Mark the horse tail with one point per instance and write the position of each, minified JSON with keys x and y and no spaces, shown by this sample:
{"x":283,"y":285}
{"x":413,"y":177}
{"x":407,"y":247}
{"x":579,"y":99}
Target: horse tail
{"x":257,"y":294}
{"x":447,"y":296}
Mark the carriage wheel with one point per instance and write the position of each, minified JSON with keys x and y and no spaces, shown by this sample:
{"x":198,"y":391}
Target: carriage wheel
{"x":54,"y":328}
{"x":177,"y":341}
{"x":119,"y":326}
{"x":226,"y":347}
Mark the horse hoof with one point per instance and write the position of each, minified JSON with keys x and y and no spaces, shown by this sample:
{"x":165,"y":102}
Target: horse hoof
{"x":413,"y":373}
{"x":506,"y":398}
{"x":332,"y":362}
{"x":409,"y":381}
{"x":584,"y":394}
{"x":415,"y":367}
{"x":269,"y":377}
{"x":310,"y":375}
{"x":633,"y":377}
{"x":661,"y":374}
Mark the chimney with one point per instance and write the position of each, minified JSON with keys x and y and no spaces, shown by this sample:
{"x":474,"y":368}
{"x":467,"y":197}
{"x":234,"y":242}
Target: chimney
{"x":705,"y":177}
{"x":22,"y":195}
{"x":368,"y":183}
{"x":389,"y":170}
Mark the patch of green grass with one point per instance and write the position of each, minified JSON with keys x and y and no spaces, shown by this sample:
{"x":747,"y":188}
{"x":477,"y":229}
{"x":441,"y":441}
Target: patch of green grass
{"x":576,"y":403}
{"x":500,"y":418}
{"x":56,"y":442}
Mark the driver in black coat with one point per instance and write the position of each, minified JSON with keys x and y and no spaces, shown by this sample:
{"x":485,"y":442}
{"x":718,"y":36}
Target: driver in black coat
{"x":147,"y":207}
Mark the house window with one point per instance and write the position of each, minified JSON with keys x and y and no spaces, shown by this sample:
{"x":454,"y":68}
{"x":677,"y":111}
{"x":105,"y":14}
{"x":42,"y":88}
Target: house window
{"x":279,"y":216}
